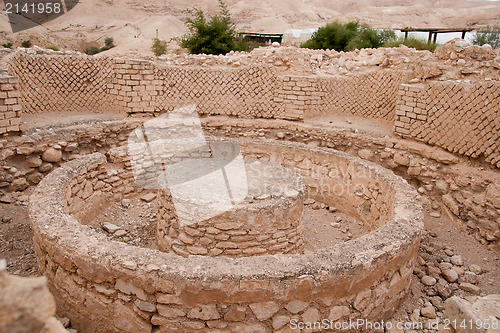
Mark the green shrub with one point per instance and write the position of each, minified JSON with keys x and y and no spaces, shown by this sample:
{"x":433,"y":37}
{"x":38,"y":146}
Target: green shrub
{"x":159,"y":47}
{"x":346,"y":37}
{"x":215,"y":36}
{"x":7,"y":45}
{"x":417,"y":43}
{"x":490,"y":35}
{"x":52,"y":47}
{"x":92,"y":50}
{"x":26,"y":43}
{"x":109,"y":43}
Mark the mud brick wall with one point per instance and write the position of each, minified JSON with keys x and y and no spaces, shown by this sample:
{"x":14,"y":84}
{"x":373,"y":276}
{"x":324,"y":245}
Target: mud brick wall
{"x":460,"y":117}
{"x":63,"y":83}
{"x":143,"y":87}
{"x":10,"y":110}
{"x":299,"y":96}
{"x":81,"y":83}
{"x":369,"y":95}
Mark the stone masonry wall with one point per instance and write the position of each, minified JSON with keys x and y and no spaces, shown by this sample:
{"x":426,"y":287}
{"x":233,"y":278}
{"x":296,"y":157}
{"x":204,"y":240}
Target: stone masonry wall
{"x":10,"y":110}
{"x":460,"y":117}
{"x":266,"y":228}
{"x":453,"y":186}
{"x":114,"y":287}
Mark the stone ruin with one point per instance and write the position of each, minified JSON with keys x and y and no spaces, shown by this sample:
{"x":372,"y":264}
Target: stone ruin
{"x":248,"y":269}
{"x":174,"y":291}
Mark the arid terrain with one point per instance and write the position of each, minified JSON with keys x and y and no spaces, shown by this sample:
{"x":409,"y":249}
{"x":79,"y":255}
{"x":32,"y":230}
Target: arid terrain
{"x":133,"y":24}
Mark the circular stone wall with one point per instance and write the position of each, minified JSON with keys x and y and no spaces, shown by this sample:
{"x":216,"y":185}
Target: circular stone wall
{"x":267,"y":221}
{"x":104,"y":285}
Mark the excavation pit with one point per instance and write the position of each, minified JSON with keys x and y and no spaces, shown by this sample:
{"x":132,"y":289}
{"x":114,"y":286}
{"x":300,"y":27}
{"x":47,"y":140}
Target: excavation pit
{"x":104,"y":285}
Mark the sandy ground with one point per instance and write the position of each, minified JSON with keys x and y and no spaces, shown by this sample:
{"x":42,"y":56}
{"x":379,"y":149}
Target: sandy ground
{"x":59,"y":119}
{"x":324,"y":227}
{"x":352,"y":123}
{"x":133,"y":24}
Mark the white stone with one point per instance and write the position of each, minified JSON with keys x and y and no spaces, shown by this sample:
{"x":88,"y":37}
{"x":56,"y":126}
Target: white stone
{"x":487,"y":47}
{"x":130,"y":265}
{"x":52,"y":155}
{"x":475,"y":309}
{"x":461,"y":43}
{"x":110,"y":227}
{"x":120,"y":233}
{"x":338,"y":312}
{"x":450,"y":275}
{"x":428,"y":312}
{"x":428,"y":280}
{"x":204,"y":312}
{"x":296,"y":306}
{"x":265,"y":310}
{"x":148,"y":197}
{"x":457,"y":260}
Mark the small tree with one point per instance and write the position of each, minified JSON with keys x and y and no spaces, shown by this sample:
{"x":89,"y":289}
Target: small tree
{"x":334,"y":35}
{"x":367,"y":37}
{"x":349,"y":36}
{"x":7,"y":45}
{"x":26,"y":43}
{"x":215,"y":36}
{"x":159,"y":47}
{"x":109,"y":42}
{"x":490,"y":35}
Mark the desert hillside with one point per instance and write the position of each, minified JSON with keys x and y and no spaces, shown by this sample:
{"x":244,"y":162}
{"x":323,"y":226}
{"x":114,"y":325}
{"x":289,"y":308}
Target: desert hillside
{"x":133,"y":23}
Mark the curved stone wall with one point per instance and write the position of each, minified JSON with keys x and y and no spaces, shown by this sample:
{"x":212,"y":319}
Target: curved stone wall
{"x":106,"y":286}
{"x":267,"y":221}
{"x":464,"y":190}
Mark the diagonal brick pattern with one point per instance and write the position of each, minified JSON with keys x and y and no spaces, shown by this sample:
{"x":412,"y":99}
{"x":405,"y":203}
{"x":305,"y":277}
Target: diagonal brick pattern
{"x":369,"y":95}
{"x":62,"y":83}
{"x":460,"y":117}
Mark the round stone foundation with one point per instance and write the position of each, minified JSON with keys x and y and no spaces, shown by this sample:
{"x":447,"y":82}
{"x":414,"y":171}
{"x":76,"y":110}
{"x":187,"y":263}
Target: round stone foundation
{"x":267,"y":221}
{"x":104,"y":285}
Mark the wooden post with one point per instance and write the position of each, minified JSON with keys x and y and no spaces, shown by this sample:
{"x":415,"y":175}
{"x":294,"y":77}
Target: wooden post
{"x":435,"y":37}
{"x":463,"y":34}
{"x":406,"y":34}
{"x":430,"y":37}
